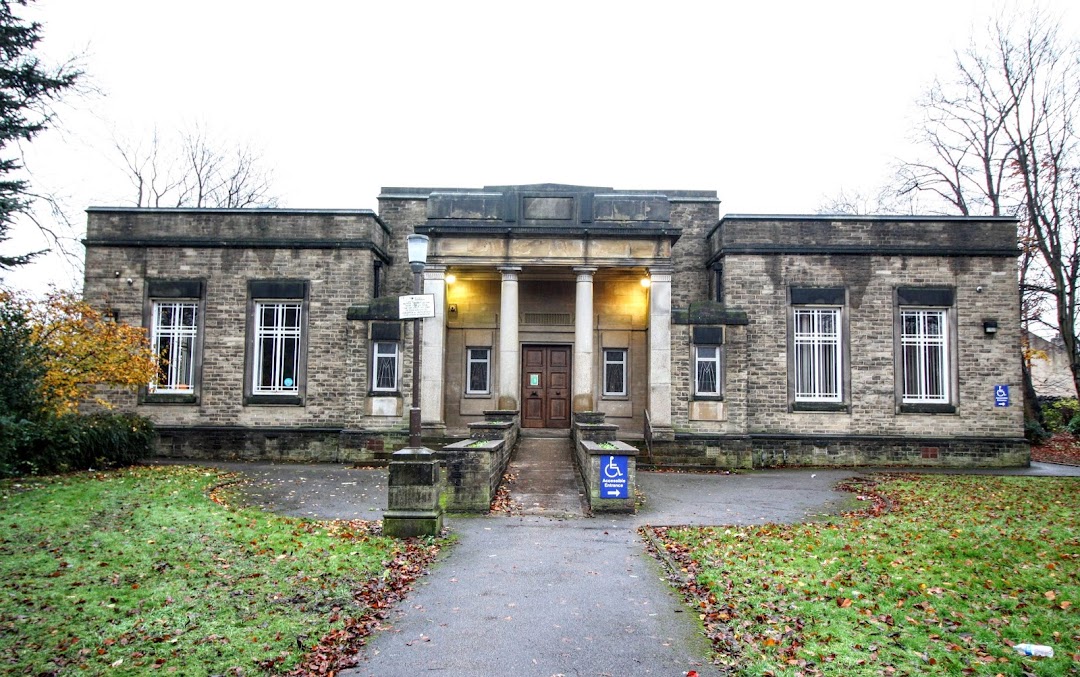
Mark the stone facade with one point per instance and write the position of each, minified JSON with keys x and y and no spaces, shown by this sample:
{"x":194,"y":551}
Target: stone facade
{"x":561,"y":275}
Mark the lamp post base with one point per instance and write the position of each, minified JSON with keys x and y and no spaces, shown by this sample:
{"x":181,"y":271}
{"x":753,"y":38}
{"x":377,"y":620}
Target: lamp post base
{"x":413,"y":494}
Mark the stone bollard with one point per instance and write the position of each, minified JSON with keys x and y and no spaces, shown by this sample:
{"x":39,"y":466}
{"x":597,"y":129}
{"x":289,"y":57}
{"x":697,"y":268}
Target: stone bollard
{"x":413,"y":493}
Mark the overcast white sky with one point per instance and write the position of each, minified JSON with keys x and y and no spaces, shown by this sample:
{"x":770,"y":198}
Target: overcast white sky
{"x":775,"y":105}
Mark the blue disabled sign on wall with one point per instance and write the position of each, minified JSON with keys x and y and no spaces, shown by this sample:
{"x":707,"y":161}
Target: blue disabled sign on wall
{"x":614,"y":478}
{"x":1001,"y":396}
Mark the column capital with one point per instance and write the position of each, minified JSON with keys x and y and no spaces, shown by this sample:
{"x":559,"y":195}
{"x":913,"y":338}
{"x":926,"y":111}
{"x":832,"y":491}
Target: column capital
{"x":584,"y":270}
{"x":434,"y":272}
{"x":509,"y":272}
{"x":661,"y":273}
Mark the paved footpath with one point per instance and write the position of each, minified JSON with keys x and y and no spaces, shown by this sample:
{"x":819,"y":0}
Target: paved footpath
{"x":536,"y":595}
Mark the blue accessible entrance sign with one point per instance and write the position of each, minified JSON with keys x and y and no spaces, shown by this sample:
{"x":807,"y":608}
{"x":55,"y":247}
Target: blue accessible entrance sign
{"x":614,"y":478}
{"x":1001,"y":396}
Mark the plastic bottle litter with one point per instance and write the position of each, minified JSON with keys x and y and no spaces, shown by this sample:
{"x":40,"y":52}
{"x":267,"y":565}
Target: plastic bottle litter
{"x":1035,"y":650}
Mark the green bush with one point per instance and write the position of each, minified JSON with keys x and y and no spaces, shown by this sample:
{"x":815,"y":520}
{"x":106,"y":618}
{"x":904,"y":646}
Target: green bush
{"x":1035,"y":433}
{"x":1059,"y":413}
{"x":72,"y":442}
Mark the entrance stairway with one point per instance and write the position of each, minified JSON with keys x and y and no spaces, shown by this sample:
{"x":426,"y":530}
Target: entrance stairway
{"x":546,"y":481}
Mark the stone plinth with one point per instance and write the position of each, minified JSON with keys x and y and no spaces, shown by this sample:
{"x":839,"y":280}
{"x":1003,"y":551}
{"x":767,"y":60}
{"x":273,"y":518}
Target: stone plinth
{"x":414,"y":490}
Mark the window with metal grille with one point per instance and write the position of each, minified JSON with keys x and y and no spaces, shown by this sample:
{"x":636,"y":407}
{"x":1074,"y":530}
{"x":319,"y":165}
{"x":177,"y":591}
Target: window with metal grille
{"x":615,"y":371}
{"x":277,"y":347}
{"x":924,"y":356}
{"x":818,"y":356}
{"x":478,"y":366}
{"x":385,"y":374}
{"x":707,"y":370}
{"x":173,"y":332}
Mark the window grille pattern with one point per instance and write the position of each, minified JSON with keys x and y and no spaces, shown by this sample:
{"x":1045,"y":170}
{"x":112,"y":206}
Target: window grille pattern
{"x":707,"y":370}
{"x":277,"y":348}
{"x":924,"y":348}
{"x":614,"y":372}
{"x":174,"y":328}
{"x":479,"y":369}
{"x":385,"y":374}
{"x":818,"y":375}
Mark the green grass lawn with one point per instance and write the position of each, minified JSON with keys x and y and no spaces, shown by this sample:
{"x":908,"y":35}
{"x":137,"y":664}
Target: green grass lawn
{"x":945,"y":582}
{"x":128,"y":571}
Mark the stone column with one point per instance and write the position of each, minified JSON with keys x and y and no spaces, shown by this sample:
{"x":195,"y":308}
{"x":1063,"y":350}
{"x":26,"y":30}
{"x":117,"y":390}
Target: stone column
{"x":660,"y":352}
{"x":509,"y":350}
{"x":433,"y":352}
{"x":584,"y":399}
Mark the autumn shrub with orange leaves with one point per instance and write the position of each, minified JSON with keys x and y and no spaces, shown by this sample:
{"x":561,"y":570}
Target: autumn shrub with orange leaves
{"x":54,"y":353}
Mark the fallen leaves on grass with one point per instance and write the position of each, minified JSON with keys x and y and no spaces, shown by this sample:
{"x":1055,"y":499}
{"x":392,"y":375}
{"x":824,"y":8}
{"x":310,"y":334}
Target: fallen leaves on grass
{"x":338,"y":649}
{"x":936,"y":573}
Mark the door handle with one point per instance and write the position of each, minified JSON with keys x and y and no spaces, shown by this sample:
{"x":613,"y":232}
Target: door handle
{"x":557,"y":393}
{"x":533,"y":394}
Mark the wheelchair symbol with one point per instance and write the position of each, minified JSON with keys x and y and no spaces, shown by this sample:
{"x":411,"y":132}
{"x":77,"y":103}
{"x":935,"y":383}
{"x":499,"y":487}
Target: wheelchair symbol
{"x":612,"y":470}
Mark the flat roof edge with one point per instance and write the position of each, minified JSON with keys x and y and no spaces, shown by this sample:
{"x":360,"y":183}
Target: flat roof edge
{"x":225,"y":210}
{"x":864,"y":217}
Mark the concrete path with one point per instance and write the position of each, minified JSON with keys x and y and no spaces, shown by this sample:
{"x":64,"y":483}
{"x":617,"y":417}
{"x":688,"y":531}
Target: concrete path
{"x":546,"y":482}
{"x":539,"y":595}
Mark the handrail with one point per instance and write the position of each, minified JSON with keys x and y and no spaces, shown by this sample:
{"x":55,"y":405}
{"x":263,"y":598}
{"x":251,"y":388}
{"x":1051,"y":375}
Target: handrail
{"x":648,"y":434}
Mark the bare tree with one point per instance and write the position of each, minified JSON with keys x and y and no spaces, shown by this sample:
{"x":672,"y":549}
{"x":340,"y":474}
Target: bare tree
{"x":196,"y":171}
{"x":1001,"y":140}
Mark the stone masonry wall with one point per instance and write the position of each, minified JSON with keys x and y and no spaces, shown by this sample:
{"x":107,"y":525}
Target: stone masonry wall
{"x":402,"y":215}
{"x":690,"y":281}
{"x":759,"y":284}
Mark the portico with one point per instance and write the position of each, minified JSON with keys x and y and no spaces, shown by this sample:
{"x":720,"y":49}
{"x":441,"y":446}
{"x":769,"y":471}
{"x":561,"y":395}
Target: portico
{"x":547,"y":312}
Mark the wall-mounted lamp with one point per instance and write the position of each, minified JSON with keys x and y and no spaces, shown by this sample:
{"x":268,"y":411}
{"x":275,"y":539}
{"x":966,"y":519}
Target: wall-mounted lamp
{"x":646,"y":281}
{"x":990,"y":327}
{"x":451,"y":278}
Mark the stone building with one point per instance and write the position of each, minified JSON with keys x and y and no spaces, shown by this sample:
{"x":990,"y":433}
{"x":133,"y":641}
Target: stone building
{"x":746,"y":340}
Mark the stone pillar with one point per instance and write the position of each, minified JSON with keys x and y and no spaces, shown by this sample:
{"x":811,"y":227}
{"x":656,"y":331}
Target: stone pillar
{"x":584,"y":398}
{"x":509,"y":350}
{"x":433,"y":352}
{"x":660,"y":352}
{"x":413,"y":490}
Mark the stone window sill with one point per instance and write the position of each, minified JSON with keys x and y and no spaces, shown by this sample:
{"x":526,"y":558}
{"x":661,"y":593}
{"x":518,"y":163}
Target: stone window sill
{"x":821,"y":407}
{"x":170,"y":398}
{"x":275,"y":400}
{"x":927,"y":409}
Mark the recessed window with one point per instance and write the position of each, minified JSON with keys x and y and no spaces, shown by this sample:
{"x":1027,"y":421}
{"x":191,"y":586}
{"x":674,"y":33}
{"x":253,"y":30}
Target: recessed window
{"x":384,"y":376}
{"x":174,"y":329}
{"x":277,"y":347}
{"x":924,"y":347}
{"x":707,"y":370}
{"x":817,"y":355}
{"x":478,"y":368}
{"x":615,"y":372}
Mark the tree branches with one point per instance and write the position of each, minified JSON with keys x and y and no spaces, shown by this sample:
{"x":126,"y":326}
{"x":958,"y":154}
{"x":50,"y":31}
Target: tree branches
{"x":195,"y":171}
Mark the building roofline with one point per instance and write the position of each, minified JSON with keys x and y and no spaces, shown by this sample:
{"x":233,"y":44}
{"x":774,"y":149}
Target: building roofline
{"x":232,"y":210}
{"x":863,"y":217}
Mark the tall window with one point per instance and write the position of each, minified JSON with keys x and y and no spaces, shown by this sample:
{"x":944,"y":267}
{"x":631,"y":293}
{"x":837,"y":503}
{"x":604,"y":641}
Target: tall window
{"x":173,"y":330}
{"x":277,"y":348}
{"x":818,"y":369}
{"x":707,"y":370}
{"x":615,"y":371}
{"x":925,"y":356}
{"x":385,"y":374}
{"x":479,"y":371}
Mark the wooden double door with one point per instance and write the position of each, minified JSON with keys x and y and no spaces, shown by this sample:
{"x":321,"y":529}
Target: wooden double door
{"x":545,"y":386}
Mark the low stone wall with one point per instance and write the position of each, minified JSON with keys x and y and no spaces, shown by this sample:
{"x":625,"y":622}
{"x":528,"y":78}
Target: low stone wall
{"x":594,"y":441}
{"x":475,"y":467}
{"x":763,"y":451}
{"x":293,"y":445}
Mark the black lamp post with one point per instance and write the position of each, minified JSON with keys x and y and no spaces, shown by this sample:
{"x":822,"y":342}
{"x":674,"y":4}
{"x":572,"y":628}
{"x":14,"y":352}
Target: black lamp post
{"x":418,"y":251}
